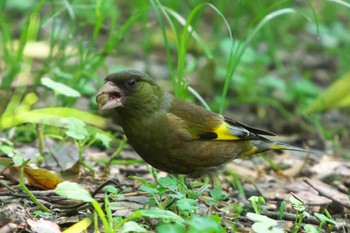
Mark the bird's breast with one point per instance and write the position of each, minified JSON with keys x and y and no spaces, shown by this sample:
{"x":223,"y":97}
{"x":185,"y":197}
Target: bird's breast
{"x":165,"y":149}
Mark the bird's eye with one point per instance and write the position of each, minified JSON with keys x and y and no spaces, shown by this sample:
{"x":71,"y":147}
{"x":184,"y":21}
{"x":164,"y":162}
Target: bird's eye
{"x":131,"y":82}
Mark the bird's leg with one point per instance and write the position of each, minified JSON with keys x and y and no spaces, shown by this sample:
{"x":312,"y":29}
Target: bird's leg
{"x":214,"y":179}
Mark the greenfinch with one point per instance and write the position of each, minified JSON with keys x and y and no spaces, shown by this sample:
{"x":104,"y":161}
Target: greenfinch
{"x":176,"y":136}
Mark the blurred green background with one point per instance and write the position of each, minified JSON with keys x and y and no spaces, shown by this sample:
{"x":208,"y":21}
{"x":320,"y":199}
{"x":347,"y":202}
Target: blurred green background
{"x":281,"y":65}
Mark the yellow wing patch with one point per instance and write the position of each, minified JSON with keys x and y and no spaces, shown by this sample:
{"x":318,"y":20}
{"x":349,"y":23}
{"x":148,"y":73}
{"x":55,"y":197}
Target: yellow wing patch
{"x":224,"y":133}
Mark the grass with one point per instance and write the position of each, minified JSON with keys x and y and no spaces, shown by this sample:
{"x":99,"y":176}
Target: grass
{"x":232,"y":47}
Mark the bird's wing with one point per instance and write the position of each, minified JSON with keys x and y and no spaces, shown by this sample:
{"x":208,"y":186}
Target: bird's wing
{"x":234,"y":130}
{"x":194,"y":122}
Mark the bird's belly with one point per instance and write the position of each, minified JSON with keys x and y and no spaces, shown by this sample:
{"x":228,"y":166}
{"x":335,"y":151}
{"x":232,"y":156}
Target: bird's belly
{"x":200,"y":155}
{"x":184,"y":156}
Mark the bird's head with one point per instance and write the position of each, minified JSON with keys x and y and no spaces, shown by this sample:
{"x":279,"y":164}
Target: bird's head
{"x":130,"y":89}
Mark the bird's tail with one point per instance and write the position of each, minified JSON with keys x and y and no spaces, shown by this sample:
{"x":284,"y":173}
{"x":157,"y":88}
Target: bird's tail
{"x":285,"y":146}
{"x":265,"y":145}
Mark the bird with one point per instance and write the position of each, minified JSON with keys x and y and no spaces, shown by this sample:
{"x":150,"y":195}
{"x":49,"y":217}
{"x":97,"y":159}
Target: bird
{"x":176,"y":136}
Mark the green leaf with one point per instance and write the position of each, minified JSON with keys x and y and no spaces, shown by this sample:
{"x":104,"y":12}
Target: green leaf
{"x":87,"y":117}
{"x":304,"y":86}
{"x":204,"y":224}
{"x":308,"y":228}
{"x":263,"y":224}
{"x":4,"y":141}
{"x":217,"y":194}
{"x":18,"y":159}
{"x":274,"y":82}
{"x":76,"y":128}
{"x":50,"y":116}
{"x":104,"y":139}
{"x":171,"y":228}
{"x":187,"y":205}
{"x":61,"y":74}
{"x":168,"y":182}
{"x":261,"y":218}
{"x":110,"y":189}
{"x":261,"y":227}
{"x":74,"y":191}
{"x":297,"y":203}
{"x":282,"y":209}
{"x":132,"y":226}
{"x":249,"y":55}
{"x":324,"y":218}
{"x":60,"y":88}
{"x":161,"y":214}
{"x":177,"y":195}
{"x":256,"y":203}
{"x":7,"y":150}
{"x":336,"y":96}
{"x":148,"y":189}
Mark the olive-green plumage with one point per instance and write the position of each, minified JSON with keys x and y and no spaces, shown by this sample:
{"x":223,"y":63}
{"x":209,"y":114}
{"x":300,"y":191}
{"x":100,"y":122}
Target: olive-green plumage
{"x":173,"y":135}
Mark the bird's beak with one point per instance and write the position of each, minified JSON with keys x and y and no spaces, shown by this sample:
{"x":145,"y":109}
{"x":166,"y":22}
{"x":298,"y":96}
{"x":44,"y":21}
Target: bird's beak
{"x":109,"y":96}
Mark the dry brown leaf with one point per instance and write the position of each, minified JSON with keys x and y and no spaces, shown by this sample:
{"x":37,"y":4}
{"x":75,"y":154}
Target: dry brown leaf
{"x":41,"y":178}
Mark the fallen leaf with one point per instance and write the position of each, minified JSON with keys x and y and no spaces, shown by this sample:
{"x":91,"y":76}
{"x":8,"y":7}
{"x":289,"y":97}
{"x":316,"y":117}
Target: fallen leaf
{"x":42,"y":225}
{"x":41,"y":178}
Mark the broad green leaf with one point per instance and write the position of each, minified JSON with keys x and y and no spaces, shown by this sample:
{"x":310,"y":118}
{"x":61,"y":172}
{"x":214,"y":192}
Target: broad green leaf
{"x":167,"y":182}
{"x":132,"y":226}
{"x":76,"y":128}
{"x":204,"y":224}
{"x":60,"y":88}
{"x":217,"y":194}
{"x":324,"y":218}
{"x":177,"y":195}
{"x":104,"y":139}
{"x":274,"y":82}
{"x":161,"y":214}
{"x":335,"y":96}
{"x":18,"y":159}
{"x":61,"y":74}
{"x":297,"y":203}
{"x":148,"y":189}
{"x":171,"y":228}
{"x":110,"y":189}
{"x":74,"y":191}
{"x":262,"y":227}
{"x":263,"y":224}
{"x":6,"y":141}
{"x":187,"y":205}
{"x":6,"y":162}
{"x":261,"y":218}
{"x":87,"y":117}
{"x":51,"y":116}
{"x":308,"y":228}
{"x":249,"y":54}
{"x":7,"y":150}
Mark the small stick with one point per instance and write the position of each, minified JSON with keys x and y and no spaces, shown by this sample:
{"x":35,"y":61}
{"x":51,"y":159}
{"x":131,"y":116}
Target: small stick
{"x":320,"y":192}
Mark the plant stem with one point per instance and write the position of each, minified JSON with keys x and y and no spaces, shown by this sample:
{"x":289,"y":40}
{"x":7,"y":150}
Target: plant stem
{"x":23,"y":187}
{"x":102,"y":216}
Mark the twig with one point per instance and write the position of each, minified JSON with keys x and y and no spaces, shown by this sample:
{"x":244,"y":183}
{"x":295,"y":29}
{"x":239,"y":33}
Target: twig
{"x":291,"y":217}
{"x":320,"y":192}
{"x":114,"y":181}
{"x":79,"y":206}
